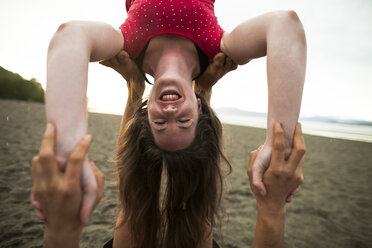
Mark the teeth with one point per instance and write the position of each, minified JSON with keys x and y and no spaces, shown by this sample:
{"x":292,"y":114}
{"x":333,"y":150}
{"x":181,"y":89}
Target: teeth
{"x":170,"y":97}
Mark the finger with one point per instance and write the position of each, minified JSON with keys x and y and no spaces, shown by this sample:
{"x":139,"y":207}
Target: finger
{"x":37,"y":208}
{"x":93,"y":166}
{"x":40,"y":215}
{"x":35,"y":170}
{"x":234,"y":65}
{"x":289,"y":199}
{"x":123,"y":56}
{"x":252,"y":158}
{"x":296,"y":190}
{"x":100,"y":179}
{"x":33,"y":201}
{"x":253,"y":155}
{"x":76,"y":159}
{"x":230,"y":64}
{"x":219,"y":59}
{"x":293,"y":193}
{"x":47,"y":144}
{"x":299,"y":149}
{"x":88,"y":203}
{"x":106,"y":62}
{"x":278,"y":153}
{"x":46,"y":155}
{"x":257,"y":176}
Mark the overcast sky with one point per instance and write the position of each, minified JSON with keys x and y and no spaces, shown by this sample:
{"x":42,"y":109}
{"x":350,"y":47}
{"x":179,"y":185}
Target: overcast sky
{"x":339,"y":34}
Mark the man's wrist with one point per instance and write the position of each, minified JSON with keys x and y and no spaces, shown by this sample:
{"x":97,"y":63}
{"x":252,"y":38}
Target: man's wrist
{"x":61,"y":238}
{"x":271,"y":211}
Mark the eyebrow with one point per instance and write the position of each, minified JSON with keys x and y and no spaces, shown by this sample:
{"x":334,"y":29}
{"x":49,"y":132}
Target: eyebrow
{"x":186,"y":127}
{"x":161,"y":130}
{"x":164,"y":128}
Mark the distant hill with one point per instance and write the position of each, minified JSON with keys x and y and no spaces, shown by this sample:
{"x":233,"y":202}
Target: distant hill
{"x":230,"y":111}
{"x":13,"y":86}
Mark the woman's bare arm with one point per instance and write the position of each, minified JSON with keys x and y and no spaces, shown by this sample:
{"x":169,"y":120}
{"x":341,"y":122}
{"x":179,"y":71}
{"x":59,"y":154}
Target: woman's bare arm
{"x":279,"y":36}
{"x":72,"y":47}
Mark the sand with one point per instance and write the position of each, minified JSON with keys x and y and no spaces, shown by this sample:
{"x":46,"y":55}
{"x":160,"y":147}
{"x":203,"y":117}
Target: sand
{"x":333,"y":209}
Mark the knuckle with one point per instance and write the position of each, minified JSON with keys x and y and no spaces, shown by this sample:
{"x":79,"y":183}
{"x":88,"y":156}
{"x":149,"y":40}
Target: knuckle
{"x":279,"y":145}
{"x":256,"y":185}
{"x":277,"y":172}
{"x":76,"y":158}
{"x":35,"y":160}
{"x":249,"y":171}
{"x":45,"y":154}
{"x":251,"y":153}
{"x":302,"y":149}
{"x":83,"y":146}
{"x":279,"y":131}
{"x":66,"y":190}
{"x":301,"y":179}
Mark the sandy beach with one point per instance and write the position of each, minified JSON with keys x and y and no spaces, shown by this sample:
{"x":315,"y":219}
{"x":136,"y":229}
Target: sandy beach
{"x":333,"y":208}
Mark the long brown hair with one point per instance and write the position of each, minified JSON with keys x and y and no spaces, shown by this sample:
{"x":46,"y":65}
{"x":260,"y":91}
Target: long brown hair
{"x":194,"y":185}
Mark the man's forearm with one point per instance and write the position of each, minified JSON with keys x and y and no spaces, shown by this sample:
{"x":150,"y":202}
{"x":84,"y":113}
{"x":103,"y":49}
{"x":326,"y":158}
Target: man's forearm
{"x":269,"y":229}
{"x":61,"y":238}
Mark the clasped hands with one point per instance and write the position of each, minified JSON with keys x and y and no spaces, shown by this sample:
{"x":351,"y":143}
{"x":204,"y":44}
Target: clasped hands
{"x":283,"y":177}
{"x":57,"y":195}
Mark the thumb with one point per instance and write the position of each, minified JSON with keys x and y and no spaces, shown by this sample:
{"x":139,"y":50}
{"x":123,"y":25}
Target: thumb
{"x":88,"y":203}
{"x":89,"y":187}
{"x":258,"y":170}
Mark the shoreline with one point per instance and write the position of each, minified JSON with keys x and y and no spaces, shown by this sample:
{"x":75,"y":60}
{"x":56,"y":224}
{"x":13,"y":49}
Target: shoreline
{"x":309,"y":127}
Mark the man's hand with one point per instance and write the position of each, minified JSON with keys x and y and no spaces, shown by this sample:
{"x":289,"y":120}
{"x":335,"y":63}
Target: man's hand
{"x":260,"y":165}
{"x":283,"y":177}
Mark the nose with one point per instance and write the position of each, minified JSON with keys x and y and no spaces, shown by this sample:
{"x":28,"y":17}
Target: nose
{"x":169,"y":109}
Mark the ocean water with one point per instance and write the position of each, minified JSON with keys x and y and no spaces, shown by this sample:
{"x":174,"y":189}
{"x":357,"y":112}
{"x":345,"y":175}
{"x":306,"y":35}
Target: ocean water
{"x":326,"y":129}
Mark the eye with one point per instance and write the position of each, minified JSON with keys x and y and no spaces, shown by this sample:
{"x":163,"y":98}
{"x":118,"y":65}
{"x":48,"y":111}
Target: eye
{"x":159,"y":122}
{"x":184,"y":121}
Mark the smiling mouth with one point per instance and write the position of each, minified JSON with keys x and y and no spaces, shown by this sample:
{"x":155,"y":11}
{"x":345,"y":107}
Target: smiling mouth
{"x":170,"y":96}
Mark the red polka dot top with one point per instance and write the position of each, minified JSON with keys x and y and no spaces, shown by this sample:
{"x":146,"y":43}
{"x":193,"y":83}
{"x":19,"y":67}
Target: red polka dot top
{"x":193,"y":19}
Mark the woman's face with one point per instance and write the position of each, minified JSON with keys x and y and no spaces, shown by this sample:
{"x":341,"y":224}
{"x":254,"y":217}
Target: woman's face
{"x":173,"y":112}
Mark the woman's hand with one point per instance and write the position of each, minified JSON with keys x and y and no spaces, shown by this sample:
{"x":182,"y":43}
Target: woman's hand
{"x":283,"y":177}
{"x":59,"y":194}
